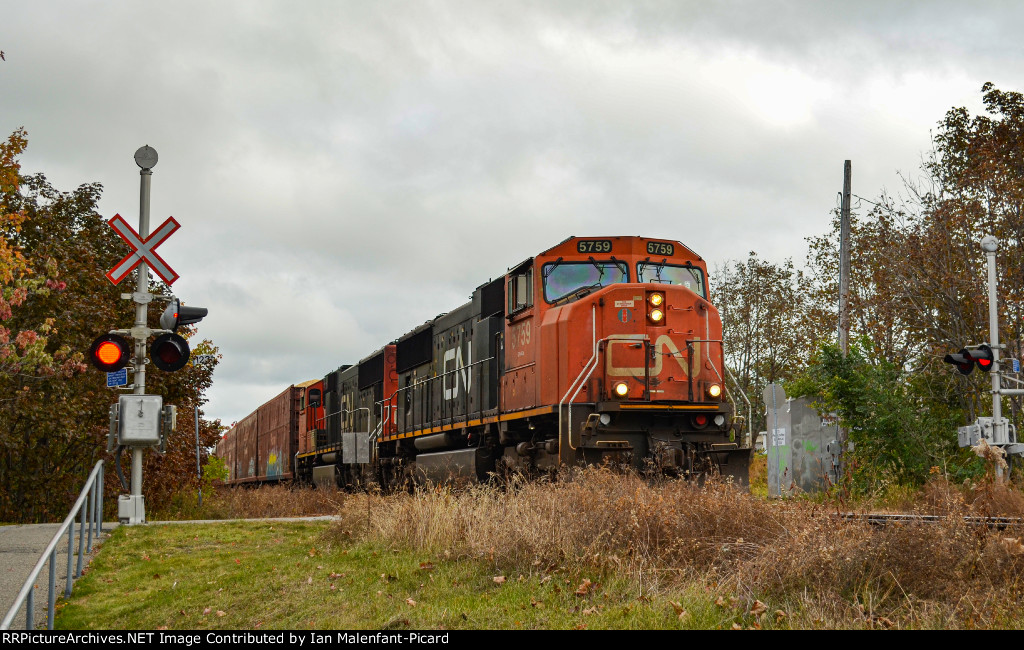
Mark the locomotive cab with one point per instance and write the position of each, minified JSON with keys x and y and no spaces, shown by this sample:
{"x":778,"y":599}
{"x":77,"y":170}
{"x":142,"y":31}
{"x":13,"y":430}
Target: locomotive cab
{"x":622,"y":340}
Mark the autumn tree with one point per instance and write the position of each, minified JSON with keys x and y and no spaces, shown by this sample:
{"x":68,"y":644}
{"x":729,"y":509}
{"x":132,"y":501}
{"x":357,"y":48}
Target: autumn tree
{"x":54,"y":412}
{"x":769,"y":324}
{"x":919,"y":278}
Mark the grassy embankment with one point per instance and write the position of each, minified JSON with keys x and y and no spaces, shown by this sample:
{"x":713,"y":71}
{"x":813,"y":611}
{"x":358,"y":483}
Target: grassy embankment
{"x":603,"y":550}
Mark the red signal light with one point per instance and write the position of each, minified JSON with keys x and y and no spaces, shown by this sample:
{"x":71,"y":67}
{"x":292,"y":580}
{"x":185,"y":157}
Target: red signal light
{"x":169,"y":352}
{"x":983,"y":357}
{"x":110,"y":352}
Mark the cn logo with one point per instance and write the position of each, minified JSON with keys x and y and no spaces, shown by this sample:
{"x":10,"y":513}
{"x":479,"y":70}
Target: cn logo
{"x":663,"y":347}
{"x":459,"y":374}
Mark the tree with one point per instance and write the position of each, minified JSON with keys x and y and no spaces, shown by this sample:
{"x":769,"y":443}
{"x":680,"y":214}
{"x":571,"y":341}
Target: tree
{"x":768,"y":321}
{"x":893,"y":432}
{"x":54,"y":418}
{"x":919,"y":291}
{"x":918,"y":285}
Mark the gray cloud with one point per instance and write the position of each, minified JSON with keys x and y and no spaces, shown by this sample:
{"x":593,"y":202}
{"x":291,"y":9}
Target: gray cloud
{"x":344,"y":171}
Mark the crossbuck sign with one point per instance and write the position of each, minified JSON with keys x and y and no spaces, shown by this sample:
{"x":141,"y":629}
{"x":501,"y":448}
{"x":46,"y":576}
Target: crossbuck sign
{"x":142,"y":250}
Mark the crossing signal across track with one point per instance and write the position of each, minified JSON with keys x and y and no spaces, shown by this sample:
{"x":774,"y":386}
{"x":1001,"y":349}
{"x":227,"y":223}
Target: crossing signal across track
{"x":966,"y":359}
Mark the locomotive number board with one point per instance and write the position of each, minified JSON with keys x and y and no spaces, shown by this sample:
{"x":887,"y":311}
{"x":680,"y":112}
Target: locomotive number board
{"x":594,"y":246}
{"x":660,"y":248}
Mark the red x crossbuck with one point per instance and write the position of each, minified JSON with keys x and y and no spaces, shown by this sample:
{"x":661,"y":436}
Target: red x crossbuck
{"x":143,"y":250}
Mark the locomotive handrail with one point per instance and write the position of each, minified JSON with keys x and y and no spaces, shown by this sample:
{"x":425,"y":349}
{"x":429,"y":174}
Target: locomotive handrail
{"x":327,"y":415}
{"x":89,"y":504}
{"x":750,"y":425}
{"x":750,"y":430}
{"x":427,"y":380}
{"x":577,"y":383}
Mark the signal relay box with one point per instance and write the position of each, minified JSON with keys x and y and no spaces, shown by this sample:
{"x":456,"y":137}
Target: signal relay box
{"x":139,"y":420}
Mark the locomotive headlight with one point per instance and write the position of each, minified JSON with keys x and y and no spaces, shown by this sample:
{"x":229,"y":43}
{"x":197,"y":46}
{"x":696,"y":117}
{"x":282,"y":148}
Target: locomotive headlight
{"x":657,"y":315}
{"x":714,"y":390}
{"x":621,"y":389}
{"x":656,"y":299}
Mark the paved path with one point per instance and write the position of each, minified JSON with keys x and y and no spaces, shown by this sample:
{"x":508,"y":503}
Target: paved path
{"x":20,"y":549}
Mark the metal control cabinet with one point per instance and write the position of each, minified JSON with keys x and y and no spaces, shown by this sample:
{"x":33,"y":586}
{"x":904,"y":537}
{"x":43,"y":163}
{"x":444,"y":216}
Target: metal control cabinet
{"x":139,"y":420}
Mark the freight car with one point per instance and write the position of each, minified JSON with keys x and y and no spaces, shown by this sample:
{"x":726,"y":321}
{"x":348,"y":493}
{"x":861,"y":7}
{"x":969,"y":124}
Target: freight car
{"x":261,"y":447}
{"x":598,"y":350}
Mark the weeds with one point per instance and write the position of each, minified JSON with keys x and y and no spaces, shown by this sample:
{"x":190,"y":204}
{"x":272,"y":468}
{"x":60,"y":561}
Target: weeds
{"x":793,"y":559}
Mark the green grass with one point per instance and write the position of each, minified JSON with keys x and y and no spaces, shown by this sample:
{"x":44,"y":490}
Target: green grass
{"x":263,"y":575}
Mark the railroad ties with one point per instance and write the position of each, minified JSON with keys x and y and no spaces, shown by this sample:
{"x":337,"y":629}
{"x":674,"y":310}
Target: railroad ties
{"x":878,"y":519}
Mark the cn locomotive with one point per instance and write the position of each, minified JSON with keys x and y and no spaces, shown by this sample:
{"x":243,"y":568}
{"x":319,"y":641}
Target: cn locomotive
{"x":598,"y":350}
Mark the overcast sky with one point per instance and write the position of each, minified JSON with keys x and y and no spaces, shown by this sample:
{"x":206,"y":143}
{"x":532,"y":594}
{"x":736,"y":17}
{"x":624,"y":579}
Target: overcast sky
{"x":344,"y":171}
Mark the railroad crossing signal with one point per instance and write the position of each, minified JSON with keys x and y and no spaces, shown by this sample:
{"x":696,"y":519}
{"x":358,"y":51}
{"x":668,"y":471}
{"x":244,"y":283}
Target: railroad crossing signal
{"x":143,"y":250}
{"x":169,"y":352}
{"x":110,"y":352}
{"x":177,"y":315}
{"x":984,"y":357}
{"x":962,"y":360}
{"x":966,"y":359}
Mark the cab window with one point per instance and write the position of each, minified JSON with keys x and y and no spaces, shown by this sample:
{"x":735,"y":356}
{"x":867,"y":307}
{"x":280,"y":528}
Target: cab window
{"x":520,"y":291}
{"x":690,"y":277}
{"x":564,"y":281}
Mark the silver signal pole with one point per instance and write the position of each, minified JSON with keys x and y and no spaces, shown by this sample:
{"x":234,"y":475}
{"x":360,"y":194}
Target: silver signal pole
{"x":146,"y":159}
{"x":990,"y":245}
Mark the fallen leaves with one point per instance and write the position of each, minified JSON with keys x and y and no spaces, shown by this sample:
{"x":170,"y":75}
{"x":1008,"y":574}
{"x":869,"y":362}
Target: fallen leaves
{"x":680,"y":611}
{"x":584,"y":587}
{"x":499,"y":580}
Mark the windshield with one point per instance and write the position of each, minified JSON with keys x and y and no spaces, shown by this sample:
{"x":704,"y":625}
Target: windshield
{"x":563,"y":280}
{"x":690,"y":277}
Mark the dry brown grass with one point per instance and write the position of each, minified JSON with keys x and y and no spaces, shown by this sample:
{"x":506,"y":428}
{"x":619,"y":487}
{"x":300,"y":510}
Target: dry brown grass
{"x":795,"y":554}
{"x":251,"y":503}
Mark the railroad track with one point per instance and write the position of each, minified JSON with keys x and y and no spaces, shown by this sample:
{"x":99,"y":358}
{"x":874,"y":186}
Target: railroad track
{"x":878,"y":519}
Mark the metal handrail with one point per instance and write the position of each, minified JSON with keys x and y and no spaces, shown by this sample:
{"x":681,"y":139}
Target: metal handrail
{"x":393,"y":398}
{"x":89,"y":505}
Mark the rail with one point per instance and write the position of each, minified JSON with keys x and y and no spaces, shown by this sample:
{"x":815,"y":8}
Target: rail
{"x":90,"y":506}
{"x":887,"y":519}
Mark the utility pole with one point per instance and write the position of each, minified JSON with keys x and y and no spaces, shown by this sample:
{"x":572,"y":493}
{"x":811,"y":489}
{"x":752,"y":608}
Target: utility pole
{"x":844,"y":263}
{"x":844,"y":300}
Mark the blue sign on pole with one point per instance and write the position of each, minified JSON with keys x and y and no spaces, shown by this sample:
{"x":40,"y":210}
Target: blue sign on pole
{"x":1016,"y":365}
{"x":118,"y":378}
